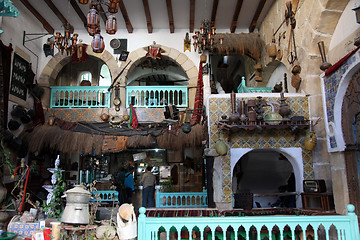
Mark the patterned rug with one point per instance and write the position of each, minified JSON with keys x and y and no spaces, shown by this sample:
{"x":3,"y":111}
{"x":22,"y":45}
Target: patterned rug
{"x":182,"y":213}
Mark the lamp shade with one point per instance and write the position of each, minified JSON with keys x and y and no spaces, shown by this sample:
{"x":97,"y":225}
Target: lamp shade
{"x":111,"y":25}
{"x":97,"y":43}
{"x":93,"y":18}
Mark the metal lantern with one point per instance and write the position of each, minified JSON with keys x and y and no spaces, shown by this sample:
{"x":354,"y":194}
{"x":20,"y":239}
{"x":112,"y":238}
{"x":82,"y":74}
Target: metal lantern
{"x":113,"y":6}
{"x":83,"y":1}
{"x":92,"y":31}
{"x":97,"y":43}
{"x":111,"y":26}
{"x":93,"y":18}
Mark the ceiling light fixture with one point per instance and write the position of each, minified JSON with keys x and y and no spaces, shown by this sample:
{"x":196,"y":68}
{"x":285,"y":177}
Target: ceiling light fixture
{"x":93,"y":22}
{"x":205,"y":38}
{"x":66,"y":42}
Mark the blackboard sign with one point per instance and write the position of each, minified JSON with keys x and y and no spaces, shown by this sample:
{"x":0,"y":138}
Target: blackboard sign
{"x":19,"y":77}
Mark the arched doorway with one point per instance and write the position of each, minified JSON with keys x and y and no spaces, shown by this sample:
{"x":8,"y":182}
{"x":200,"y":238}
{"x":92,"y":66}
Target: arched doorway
{"x":351,"y":129}
{"x":265,"y":172}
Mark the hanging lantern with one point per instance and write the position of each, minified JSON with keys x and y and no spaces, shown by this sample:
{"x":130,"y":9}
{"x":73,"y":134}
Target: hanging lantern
{"x":83,"y":1}
{"x":111,"y":26}
{"x":113,"y":6}
{"x":97,"y":43}
{"x":92,"y":31}
{"x":93,"y":18}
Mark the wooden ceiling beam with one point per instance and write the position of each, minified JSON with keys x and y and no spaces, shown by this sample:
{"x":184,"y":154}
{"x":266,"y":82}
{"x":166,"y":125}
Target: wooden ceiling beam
{"x":192,"y":15}
{"x":236,"y":16}
{"x":103,"y":14}
{"x":79,"y":12}
{"x":257,"y":15}
{"x":57,"y":12}
{"x":125,"y":16}
{"x":171,"y":16}
{"x":213,"y":12}
{"x":43,"y":21}
{"x":148,"y":16}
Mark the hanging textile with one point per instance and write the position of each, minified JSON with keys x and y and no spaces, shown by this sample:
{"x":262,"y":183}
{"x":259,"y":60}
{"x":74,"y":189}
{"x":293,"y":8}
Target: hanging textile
{"x":79,"y":54}
{"x":133,"y":122}
{"x":199,"y":98}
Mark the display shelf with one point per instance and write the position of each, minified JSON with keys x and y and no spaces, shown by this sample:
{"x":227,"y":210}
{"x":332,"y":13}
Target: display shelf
{"x":293,"y":125}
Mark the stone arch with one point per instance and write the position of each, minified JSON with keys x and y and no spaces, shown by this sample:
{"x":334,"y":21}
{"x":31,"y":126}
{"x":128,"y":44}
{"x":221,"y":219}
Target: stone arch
{"x":180,"y":58}
{"x":294,"y":156}
{"x":335,"y":128}
{"x":54,"y":66}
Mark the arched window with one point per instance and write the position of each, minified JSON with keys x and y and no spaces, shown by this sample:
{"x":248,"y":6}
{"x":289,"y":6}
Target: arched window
{"x":85,"y":76}
{"x":105,"y":77}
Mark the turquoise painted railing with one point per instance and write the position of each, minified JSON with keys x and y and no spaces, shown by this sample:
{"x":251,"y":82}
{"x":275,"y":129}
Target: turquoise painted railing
{"x":156,"y":96}
{"x":344,"y":227}
{"x":181,"y":199}
{"x":80,"y":97}
{"x":242,"y":88}
{"x":105,"y":195}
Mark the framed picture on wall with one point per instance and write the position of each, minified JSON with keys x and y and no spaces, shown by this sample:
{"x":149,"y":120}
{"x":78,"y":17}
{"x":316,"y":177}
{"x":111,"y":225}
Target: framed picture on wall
{"x":123,"y":56}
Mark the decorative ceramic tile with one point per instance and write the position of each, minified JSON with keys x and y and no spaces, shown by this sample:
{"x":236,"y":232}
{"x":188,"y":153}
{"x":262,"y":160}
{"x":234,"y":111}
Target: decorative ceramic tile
{"x":252,"y":139}
{"x":331,"y":85}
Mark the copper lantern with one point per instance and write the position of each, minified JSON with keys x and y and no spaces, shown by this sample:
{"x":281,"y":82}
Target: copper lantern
{"x":111,"y":26}
{"x":93,"y":18}
{"x":97,"y":43}
{"x":113,"y":6}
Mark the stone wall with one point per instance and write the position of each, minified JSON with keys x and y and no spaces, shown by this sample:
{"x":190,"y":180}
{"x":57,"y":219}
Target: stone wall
{"x":315,"y":21}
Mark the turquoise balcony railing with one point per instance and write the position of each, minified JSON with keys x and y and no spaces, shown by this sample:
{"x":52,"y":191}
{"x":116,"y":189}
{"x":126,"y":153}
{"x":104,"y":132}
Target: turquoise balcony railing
{"x":156,"y":96}
{"x":324,"y":227}
{"x":105,"y":196}
{"x":242,"y":88}
{"x":181,"y":199}
{"x":80,"y":97}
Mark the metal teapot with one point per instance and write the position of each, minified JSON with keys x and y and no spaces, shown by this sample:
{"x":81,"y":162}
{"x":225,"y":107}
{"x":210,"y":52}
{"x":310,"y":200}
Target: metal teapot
{"x":77,"y":206}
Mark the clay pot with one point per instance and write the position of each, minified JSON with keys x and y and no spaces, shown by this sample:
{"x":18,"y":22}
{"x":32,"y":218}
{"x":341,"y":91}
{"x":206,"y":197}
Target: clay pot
{"x":295,"y":81}
{"x":104,"y":117}
{"x":272,"y":51}
{"x":51,"y":120}
{"x":310,"y":141}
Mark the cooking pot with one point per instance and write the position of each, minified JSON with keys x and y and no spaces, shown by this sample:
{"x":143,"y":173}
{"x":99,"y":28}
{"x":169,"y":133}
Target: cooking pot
{"x":77,"y":206}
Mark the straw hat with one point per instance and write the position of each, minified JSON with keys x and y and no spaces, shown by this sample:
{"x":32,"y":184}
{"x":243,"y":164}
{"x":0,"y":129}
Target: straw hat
{"x":125,"y":211}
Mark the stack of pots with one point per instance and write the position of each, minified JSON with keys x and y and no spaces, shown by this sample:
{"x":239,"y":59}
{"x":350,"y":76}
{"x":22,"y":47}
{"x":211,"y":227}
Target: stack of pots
{"x":77,"y":206}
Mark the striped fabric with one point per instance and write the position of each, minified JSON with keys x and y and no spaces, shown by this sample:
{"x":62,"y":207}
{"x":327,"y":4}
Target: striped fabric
{"x":195,"y":118}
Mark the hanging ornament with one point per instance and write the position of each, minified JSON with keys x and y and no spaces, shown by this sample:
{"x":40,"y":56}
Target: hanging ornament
{"x":187,"y":43}
{"x":93,"y":18}
{"x":97,"y":43}
{"x":113,"y":6}
{"x":220,"y":147}
{"x":111,"y":26}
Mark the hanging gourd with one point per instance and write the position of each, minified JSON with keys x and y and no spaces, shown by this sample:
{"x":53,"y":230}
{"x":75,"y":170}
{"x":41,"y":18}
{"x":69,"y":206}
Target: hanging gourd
{"x":310,"y":139}
{"x":220,"y":146}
